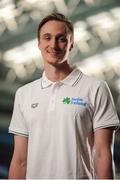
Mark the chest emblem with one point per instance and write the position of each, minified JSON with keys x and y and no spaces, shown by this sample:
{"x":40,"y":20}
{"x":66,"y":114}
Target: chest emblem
{"x":34,"y":105}
{"x":74,"y":100}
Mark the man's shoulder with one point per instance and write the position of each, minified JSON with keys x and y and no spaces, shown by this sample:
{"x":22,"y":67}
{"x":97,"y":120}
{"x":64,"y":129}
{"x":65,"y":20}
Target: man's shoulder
{"x":30,"y":87}
{"x":92,"y":80}
{"x":95,"y":85}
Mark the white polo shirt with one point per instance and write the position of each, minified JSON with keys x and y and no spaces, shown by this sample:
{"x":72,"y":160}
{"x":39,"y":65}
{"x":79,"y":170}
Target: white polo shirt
{"x":58,"y":119}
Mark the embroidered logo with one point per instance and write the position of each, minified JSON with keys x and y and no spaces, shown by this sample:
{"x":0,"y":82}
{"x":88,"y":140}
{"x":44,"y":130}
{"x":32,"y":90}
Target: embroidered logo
{"x":76,"y":101}
{"x":34,"y":105}
{"x":66,"y":100}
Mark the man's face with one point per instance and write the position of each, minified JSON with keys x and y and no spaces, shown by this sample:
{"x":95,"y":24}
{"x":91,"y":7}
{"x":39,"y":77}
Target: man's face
{"x":55,"y":42}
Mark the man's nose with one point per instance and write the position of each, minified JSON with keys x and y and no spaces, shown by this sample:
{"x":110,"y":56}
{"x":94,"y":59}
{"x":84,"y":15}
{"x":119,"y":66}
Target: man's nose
{"x":54,"y":43}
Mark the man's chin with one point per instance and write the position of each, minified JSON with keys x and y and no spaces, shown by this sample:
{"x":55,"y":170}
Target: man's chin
{"x":58,"y":62}
{"x":53,"y":63}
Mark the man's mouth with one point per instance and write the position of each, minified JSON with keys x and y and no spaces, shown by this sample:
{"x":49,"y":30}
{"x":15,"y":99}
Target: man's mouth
{"x":54,"y":53}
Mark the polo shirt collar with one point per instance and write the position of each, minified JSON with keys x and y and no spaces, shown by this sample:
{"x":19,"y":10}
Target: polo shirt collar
{"x":45,"y":81}
{"x":70,"y":80}
{"x":73,"y":77}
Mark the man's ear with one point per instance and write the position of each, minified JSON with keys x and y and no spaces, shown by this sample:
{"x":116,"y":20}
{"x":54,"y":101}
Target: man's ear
{"x":39,"y":45}
{"x":71,"y":46}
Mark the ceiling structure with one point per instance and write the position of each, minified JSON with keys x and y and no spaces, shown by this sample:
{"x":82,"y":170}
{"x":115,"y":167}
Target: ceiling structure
{"x":96,"y":50}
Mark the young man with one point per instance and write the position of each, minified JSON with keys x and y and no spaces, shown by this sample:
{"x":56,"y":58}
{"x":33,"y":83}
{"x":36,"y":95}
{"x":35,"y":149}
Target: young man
{"x":63,"y":122}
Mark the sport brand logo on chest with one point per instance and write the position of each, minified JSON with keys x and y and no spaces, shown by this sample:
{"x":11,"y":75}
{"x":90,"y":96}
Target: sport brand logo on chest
{"x":74,"y":100}
{"x":34,"y":105}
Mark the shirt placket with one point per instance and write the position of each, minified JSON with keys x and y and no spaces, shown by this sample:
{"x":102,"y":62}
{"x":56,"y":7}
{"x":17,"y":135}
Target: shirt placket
{"x":53,"y":97}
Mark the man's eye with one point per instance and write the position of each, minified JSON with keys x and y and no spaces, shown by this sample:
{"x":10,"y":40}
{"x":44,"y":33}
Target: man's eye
{"x":47,"y":38}
{"x":62,"y":39}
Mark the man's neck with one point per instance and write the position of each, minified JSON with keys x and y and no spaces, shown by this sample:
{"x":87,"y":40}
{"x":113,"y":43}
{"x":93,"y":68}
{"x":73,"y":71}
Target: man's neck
{"x":57,"y":73}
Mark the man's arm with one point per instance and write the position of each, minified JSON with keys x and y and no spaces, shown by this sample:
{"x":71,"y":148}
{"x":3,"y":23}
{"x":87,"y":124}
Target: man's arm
{"x":103,"y":153}
{"x":19,"y":160}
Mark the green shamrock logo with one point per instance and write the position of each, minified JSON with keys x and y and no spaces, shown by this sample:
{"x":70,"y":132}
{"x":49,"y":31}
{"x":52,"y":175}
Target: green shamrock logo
{"x":66,"y":100}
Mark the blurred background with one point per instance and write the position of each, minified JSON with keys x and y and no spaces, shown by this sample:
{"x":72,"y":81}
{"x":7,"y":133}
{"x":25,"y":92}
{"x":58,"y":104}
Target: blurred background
{"x":96,"y":51}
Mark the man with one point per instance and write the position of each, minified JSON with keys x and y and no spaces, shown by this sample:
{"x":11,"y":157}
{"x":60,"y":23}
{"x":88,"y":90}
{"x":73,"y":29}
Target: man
{"x":63,"y":122}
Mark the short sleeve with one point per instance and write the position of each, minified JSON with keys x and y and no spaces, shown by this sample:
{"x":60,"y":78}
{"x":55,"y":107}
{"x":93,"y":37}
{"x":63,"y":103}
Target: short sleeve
{"x":105,"y":114}
{"x":18,"y":124}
